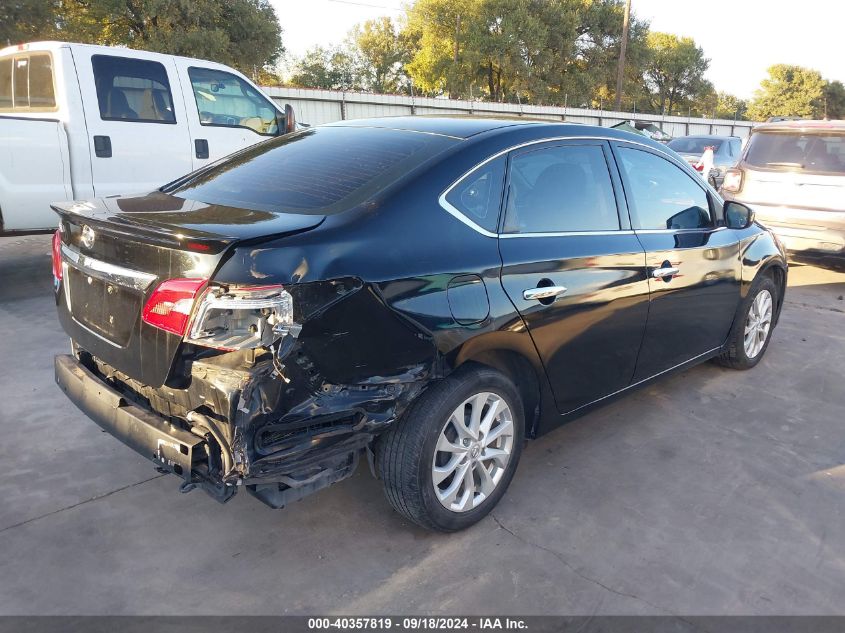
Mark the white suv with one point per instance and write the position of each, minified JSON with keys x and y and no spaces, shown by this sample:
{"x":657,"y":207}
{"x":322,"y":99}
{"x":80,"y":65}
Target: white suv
{"x":792,"y":173}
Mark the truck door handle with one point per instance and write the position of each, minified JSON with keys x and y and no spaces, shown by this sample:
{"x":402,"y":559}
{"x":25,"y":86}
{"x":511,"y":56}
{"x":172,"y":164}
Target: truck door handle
{"x":660,"y":273}
{"x":544,"y":292}
{"x":102,"y":146}
{"x":201,"y":147}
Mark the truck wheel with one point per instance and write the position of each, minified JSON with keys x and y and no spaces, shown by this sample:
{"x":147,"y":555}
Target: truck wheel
{"x":449,"y":459}
{"x":751,"y":333}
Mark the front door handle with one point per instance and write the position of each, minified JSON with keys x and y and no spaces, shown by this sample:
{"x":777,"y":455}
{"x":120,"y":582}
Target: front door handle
{"x":545,"y":292}
{"x":667,"y":271}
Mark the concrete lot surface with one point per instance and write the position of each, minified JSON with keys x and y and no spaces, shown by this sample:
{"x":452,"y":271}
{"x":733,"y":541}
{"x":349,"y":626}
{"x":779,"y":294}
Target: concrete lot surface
{"x":711,"y":492}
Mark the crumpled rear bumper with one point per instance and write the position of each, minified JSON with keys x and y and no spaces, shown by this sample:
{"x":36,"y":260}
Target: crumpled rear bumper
{"x":169,"y":447}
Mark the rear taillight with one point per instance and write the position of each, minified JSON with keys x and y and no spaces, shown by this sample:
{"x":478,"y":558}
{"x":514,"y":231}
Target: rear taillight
{"x":57,"y":256}
{"x":698,"y":167}
{"x":733,"y":180}
{"x":169,"y":307}
{"x":242,"y":317}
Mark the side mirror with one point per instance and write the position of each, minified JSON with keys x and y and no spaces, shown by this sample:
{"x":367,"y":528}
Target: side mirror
{"x":737,"y":215}
{"x":287,"y":123}
{"x":290,"y":119}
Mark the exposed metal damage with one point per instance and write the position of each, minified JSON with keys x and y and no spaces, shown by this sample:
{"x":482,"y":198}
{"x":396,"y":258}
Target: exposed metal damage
{"x":271,"y":419}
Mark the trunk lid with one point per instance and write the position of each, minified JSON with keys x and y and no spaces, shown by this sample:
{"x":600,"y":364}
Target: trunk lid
{"x":116,"y":251}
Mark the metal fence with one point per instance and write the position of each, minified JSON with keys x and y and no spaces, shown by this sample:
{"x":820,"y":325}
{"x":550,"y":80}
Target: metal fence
{"x":324,"y":106}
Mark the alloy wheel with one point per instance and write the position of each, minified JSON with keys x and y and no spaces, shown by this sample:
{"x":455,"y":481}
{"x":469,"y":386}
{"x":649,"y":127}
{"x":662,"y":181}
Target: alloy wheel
{"x":472,"y":452}
{"x":758,"y":324}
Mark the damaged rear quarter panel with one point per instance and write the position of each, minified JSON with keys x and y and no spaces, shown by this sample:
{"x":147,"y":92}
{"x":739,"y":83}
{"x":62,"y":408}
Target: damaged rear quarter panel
{"x":370,"y":290}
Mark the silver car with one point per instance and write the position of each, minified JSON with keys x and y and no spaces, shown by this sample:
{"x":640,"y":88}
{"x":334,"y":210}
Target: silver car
{"x":726,"y":151}
{"x":792,"y":174}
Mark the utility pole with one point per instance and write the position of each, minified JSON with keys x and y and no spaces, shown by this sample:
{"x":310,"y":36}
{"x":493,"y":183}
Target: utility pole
{"x":455,"y":66}
{"x":620,"y":70}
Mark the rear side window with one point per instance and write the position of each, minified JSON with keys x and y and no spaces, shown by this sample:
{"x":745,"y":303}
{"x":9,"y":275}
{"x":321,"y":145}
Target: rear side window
{"x":661,"y":195}
{"x":811,"y":152}
{"x":132,"y":90}
{"x":226,"y":100}
{"x":560,"y":189}
{"x":26,"y":83}
{"x":478,"y":196}
{"x":320,"y":171}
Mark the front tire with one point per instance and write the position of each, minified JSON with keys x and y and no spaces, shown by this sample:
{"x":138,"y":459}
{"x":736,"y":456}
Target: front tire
{"x":752,"y":331}
{"x":449,"y":459}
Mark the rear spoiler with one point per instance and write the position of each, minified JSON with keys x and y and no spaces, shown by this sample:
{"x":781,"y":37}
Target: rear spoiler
{"x":122,"y":227}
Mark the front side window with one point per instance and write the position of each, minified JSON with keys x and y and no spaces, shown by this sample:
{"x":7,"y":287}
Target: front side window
{"x":560,"y":189}
{"x":478,"y":195}
{"x":132,"y":90}
{"x":26,"y":83}
{"x":226,"y":100}
{"x":661,"y":195}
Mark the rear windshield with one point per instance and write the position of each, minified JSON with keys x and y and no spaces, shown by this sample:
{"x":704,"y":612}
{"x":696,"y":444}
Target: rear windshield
{"x":692,"y":145}
{"x":317,"y":171}
{"x":816,"y":152}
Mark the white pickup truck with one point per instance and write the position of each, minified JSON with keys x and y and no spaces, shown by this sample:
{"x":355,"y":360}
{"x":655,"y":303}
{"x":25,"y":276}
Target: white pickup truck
{"x":80,"y":121}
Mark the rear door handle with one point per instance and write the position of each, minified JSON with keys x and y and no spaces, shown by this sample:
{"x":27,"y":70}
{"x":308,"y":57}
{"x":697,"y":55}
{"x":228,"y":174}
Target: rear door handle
{"x":660,"y":273}
{"x":201,"y":147}
{"x":546,"y":292}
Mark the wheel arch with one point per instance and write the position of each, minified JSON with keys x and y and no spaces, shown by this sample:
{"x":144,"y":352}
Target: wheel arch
{"x":521,"y":366}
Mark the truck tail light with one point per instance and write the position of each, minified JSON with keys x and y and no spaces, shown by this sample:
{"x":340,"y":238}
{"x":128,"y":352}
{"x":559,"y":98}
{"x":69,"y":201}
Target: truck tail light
{"x":242,"y":317}
{"x":733,"y":180}
{"x":57,"y":256}
{"x":698,"y":167}
{"x":169,"y":307}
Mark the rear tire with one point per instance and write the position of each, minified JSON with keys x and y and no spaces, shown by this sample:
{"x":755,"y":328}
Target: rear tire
{"x":752,"y":330}
{"x":451,"y":456}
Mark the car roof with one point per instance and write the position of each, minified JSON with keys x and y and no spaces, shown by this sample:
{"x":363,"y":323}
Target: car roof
{"x":466,"y":127}
{"x":136,"y":53}
{"x":457,"y":126}
{"x":801,"y":124}
{"x":707,"y":136}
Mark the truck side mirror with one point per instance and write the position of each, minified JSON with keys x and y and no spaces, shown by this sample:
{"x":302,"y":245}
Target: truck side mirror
{"x":737,"y":215}
{"x":290,"y":119}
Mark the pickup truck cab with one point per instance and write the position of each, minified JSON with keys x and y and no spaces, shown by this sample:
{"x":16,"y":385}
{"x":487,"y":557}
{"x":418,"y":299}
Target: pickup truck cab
{"x":79,"y":121}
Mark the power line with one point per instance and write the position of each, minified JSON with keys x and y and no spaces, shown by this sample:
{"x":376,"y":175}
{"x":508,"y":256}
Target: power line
{"x":366,"y":4}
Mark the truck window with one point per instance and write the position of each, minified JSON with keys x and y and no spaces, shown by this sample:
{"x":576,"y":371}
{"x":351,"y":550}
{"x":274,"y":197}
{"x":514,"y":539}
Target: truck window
{"x":132,"y":90}
{"x":226,"y":100}
{"x":26,"y":83}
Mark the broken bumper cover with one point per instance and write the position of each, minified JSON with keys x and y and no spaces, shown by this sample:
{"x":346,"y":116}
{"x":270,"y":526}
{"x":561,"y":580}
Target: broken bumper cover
{"x":169,"y":447}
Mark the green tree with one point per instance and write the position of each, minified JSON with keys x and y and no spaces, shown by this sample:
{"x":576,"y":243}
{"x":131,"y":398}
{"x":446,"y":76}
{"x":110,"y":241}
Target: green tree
{"x":833,"y":101}
{"x":382,"y":52}
{"x":729,"y":106}
{"x":26,"y":21}
{"x":329,"y":69}
{"x":788,"y":91}
{"x":242,"y":33}
{"x":674,"y":72}
{"x":536,"y":51}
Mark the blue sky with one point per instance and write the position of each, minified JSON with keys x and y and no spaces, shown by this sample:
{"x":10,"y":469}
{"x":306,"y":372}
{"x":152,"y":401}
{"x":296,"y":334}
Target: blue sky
{"x":741,"y":37}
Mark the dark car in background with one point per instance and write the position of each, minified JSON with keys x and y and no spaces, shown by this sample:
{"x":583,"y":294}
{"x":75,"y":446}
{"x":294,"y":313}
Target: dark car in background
{"x":425,"y":292}
{"x":726,"y":153}
{"x":792,"y":173}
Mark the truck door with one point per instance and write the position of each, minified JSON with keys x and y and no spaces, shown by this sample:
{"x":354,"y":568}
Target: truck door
{"x":225,"y":112}
{"x":136,"y":123}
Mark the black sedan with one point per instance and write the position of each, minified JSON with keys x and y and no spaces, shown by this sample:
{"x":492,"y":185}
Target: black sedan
{"x":426,"y":293}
